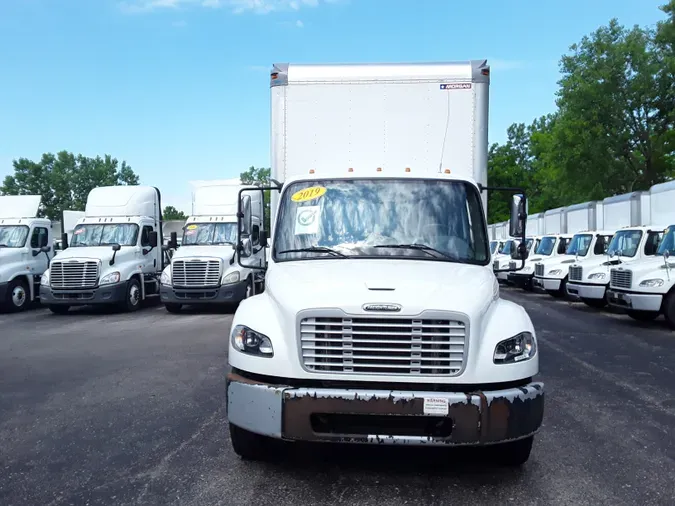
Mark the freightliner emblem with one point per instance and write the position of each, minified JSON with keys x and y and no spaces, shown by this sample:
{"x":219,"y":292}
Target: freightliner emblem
{"x":391,"y":308}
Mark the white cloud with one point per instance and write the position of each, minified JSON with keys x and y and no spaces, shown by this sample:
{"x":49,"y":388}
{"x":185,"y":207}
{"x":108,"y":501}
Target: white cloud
{"x":236,"y":6}
{"x":299,"y":24}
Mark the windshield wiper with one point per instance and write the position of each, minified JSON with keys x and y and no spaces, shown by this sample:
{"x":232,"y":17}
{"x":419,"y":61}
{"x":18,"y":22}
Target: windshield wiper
{"x":315,"y":249}
{"x":421,"y":247}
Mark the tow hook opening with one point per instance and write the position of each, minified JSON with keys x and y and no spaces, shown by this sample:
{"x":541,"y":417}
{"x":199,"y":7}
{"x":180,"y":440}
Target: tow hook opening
{"x":438,"y":427}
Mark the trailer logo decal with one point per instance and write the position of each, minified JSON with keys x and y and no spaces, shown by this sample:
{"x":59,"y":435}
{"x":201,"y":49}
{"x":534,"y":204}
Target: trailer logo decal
{"x":388,"y":308}
{"x":456,"y":86}
{"x":308,"y":194}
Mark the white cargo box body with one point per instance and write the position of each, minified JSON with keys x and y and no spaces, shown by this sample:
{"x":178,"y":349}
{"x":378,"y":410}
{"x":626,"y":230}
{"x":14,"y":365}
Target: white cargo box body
{"x":535,"y":224}
{"x":554,"y":221}
{"x":623,"y":210}
{"x":122,"y":202}
{"x":581,"y":217}
{"x":428,"y":117}
{"x":661,"y":209}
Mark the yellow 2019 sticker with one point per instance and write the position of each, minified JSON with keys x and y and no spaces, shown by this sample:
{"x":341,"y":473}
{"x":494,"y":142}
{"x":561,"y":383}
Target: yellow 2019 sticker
{"x":192,"y":227}
{"x":311,"y":193}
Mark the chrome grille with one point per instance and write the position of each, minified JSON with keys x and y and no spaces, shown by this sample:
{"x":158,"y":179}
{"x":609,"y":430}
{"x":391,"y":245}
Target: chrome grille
{"x":495,"y":265}
{"x":368,"y":345}
{"x":512,"y":264}
{"x":195,"y":273}
{"x":539,"y":269}
{"x":620,"y":279}
{"x":576,"y":273}
{"x":73,"y":274}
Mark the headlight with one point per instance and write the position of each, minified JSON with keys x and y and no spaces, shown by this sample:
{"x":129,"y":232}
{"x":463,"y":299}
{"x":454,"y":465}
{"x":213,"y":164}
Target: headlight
{"x":232,"y":277}
{"x":597,"y":275}
{"x":251,"y":342}
{"x":44,"y":279}
{"x":652,"y":283}
{"x":108,"y":279}
{"x":165,"y":278}
{"x":527,"y":268}
{"x":515,"y":349}
{"x":555,"y":272}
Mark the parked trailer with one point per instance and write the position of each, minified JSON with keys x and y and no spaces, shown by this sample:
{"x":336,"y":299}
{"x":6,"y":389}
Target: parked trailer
{"x":115,"y":256}
{"x":363,"y":224}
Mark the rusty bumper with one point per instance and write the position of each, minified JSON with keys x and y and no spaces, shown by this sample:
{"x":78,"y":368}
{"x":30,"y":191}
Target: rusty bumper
{"x":385,"y":416}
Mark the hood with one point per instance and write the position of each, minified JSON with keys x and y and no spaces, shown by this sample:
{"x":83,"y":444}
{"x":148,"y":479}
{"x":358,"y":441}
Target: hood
{"x":647,"y":265}
{"x":351,"y":283}
{"x":225,"y":252}
{"x":102,"y":253}
{"x":8,"y":254}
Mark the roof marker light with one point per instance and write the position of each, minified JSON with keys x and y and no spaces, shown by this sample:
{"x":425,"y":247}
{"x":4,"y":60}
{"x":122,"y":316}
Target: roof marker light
{"x":311,"y":171}
{"x":447,"y":171}
{"x":350,"y":169}
{"x":379,"y":169}
{"x":407,"y":169}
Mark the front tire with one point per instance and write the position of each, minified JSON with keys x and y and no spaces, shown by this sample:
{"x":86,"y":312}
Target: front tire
{"x":17,"y":295}
{"x":669,"y":309}
{"x":58,"y":309}
{"x":132,"y":299}
{"x":249,"y":445}
{"x":173,"y":308}
{"x":515,"y":453}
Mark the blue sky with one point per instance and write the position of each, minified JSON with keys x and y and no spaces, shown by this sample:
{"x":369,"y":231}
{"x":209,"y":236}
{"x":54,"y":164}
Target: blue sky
{"x":179,"y":88}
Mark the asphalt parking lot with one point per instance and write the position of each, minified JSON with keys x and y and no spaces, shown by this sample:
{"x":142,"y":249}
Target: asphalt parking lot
{"x":107,"y":408}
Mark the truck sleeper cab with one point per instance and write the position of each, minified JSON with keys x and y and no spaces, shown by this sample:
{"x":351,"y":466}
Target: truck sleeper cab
{"x":645,"y":289}
{"x":382,"y":324}
{"x":589,"y":278}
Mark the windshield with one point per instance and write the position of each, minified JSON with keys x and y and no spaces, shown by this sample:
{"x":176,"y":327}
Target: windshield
{"x":493,"y":247}
{"x":625,"y":243}
{"x":399,"y":218}
{"x":124,"y":234}
{"x":546,"y":246}
{"x":204,"y":234}
{"x":668,"y":242}
{"x":13,"y":236}
{"x":508,"y":247}
{"x":579,"y":245}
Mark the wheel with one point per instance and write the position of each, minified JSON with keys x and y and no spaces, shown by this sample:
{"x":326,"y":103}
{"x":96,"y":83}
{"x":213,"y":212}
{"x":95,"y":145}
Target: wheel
{"x":58,"y":309}
{"x":515,"y":453}
{"x":596,"y":303}
{"x":249,"y":445}
{"x":17,"y":295}
{"x":172,"y":307}
{"x":669,"y":309}
{"x":643,"y":316}
{"x":132,"y":301}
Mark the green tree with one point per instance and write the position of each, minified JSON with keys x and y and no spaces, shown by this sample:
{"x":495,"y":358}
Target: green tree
{"x":171,"y":213}
{"x":259,"y":176}
{"x":64,"y":180}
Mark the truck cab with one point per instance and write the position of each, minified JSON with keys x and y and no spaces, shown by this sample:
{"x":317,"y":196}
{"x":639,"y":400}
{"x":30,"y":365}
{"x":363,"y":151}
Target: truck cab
{"x":25,"y":250}
{"x":645,"y":288}
{"x":114,"y":257}
{"x":589,"y":278}
{"x":590,"y":244}
{"x":205,"y":268}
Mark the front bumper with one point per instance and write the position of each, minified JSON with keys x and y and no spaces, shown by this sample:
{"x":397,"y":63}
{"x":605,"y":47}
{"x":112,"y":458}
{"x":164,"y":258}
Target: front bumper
{"x":231,"y":293}
{"x":548,"y":284}
{"x":106,"y":294}
{"x":634,"y":301}
{"x":521,"y":280}
{"x":384,"y":416}
{"x":586,"y":291}
{"x":502,"y":276}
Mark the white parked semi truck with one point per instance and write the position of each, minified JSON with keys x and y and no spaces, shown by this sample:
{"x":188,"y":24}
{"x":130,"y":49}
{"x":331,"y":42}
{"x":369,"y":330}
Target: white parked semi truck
{"x":381,"y":320}
{"x":115,"y":256}
{"x":204,"y":269}
{"x":25,"y":250}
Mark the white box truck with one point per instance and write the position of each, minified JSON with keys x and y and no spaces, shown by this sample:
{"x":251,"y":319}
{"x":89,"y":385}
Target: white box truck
{"x":25,"y":250}
{"x":381,"y":320}
{"x":115,"y":256}
{"x":204,"y":269}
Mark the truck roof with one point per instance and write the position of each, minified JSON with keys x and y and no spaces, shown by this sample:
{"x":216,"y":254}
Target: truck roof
{"x":19,"y":206}
{"x":122,"y":201}
{"x":378,"y":173}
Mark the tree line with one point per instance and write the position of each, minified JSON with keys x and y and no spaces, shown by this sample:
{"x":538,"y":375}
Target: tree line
{"x":612,"y":132}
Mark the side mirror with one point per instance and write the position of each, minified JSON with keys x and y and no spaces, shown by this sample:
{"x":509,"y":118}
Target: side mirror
{"x":116,"y":247}
{"x":263,"y":239}
{"x":523,"y":252}
{"x":45,"y":249}
{"x":247,"y":219}
{"x":64,"y":241}
{"x":666,"y":254}
{"x":517,"y":216}
{"x":173,"y":241}
{"x":245,"y":248}
{"x":153,"y":238}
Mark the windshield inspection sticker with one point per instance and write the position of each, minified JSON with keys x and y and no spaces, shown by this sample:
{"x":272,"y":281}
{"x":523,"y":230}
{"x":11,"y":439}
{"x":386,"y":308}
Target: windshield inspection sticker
{"x":192,"y":227}
{"x":435,"y":406}
{"x":307,"y":220}
{"x":308,"y":194}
